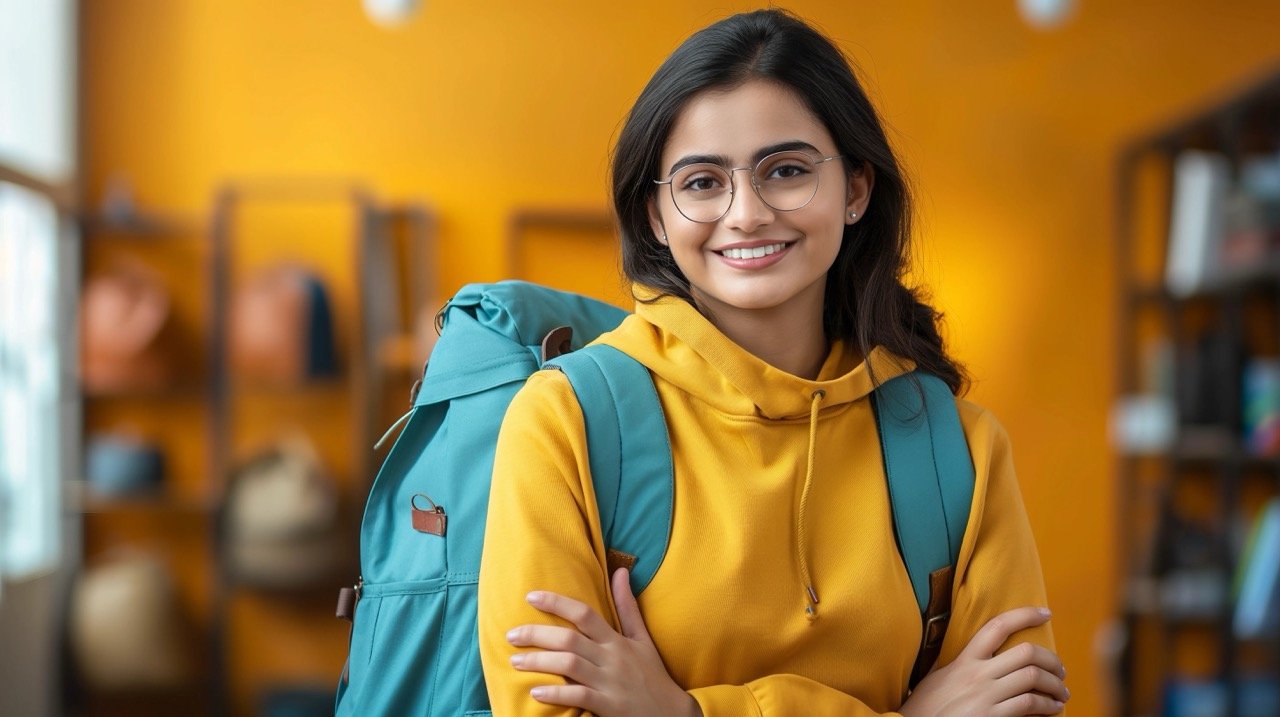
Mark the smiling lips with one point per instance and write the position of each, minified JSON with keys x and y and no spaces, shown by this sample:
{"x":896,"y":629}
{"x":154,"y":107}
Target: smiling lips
{"x":754,"y":257}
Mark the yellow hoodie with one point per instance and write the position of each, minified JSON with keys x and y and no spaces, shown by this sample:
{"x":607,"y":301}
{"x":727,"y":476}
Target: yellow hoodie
{"x":727,"y":607}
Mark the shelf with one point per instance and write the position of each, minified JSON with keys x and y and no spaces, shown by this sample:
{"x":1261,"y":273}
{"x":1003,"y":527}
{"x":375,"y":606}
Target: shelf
{"x":1189,"y":602}
{"x":80,"y":498}
{"x":400,"y":355}
{"x":175,"y":392}
{"x":1264,"y":275}
{"x":328,"y":384}
{"x":141,"y":226}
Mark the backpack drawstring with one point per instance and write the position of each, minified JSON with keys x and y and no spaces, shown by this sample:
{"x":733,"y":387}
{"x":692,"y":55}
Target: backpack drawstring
{"x":811,"y":595}
{"x":399,"y":422}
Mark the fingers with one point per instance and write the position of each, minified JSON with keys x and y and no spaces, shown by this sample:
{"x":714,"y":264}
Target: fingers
{"x":628,"y":609}
{"x":1027,"y":704}
{"x":567,"y":664}
{"x":1027,"y":653}
{"x":555,"y":639}
{"x":570,"y":696}
{"x":587,"y":621}
{"x":999,"y":628}
{"x":1031,"y":679}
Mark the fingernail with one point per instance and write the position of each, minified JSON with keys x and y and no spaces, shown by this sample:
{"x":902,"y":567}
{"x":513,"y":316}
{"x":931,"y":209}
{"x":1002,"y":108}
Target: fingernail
{"x":534,"y":597}
{"x":1057,"y":705}
{"x":512,"y":634}
{"x":1044,"y":612}
{"x":540,"y":692}
{"x":517,"y":659}
{"x":1066,"y":692}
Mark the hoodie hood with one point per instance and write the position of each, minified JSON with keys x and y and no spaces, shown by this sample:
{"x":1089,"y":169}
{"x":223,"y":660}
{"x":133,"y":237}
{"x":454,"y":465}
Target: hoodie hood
{"x":679,"y":344}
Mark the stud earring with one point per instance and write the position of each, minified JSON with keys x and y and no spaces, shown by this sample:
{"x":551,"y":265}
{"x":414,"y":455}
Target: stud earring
{"x":853,"y":215}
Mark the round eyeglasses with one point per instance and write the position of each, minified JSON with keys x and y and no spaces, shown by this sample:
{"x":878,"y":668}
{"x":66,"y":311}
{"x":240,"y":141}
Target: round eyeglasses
{"x":784,"y":181}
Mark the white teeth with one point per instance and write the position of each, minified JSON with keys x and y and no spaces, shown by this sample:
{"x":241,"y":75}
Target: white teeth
{"x":753,"y":253}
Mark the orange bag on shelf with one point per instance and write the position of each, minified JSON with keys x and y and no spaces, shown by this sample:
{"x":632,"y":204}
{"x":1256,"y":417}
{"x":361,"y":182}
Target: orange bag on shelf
{"x":124,"y":312}
{"x":281,"y":329}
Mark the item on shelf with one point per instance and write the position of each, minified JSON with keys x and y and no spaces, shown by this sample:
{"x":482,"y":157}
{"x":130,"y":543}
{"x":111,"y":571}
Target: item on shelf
{"x":122,"y":465}
{"x":1200,"y":184}
{"x":281,"y":329}
{"x":1247,"y":238}
{"x":1182,"y":543}
{"x":1261,"y":403}
{"x":1208,"y":381}
{"x":125,"y":627}
{"x":1257,"y":611}
{"x":1256,"y":696}
{"x":1194,"y":593}
{"x":124,"y":312}
{"x":282,"y":522}
{"x":1143,"y":424}
{"x":1157,"y":372}
{"x":1191,"y":581}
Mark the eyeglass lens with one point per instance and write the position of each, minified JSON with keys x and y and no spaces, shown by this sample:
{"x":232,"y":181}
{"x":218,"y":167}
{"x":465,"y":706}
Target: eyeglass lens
{"x":785,"y":181}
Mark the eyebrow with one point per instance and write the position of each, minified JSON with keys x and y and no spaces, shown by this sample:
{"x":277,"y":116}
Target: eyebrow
{"x":724,"y":161}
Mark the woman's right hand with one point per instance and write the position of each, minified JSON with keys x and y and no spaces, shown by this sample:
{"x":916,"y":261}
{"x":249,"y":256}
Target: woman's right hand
{"x":1024,"y":680}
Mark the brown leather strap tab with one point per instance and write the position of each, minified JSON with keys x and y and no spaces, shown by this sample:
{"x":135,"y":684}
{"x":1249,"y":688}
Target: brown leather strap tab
{"x":346,"y":604}
{"x":428,"y":521}
{"x":935,"y":619}
{"x":556,"y":343}
{"x":618,"y":559}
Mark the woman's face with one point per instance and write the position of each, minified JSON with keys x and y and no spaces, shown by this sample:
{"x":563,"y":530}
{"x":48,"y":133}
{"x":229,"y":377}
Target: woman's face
{"x":738,"y":127}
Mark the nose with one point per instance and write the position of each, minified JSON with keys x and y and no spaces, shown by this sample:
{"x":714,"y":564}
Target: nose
{"x":747,"y":211}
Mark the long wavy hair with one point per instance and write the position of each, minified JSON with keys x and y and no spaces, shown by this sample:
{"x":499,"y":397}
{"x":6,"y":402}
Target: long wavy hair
{"x":865,"y":301}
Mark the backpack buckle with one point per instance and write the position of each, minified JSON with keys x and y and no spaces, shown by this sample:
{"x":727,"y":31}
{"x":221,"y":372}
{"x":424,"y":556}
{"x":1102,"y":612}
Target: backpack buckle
{"x":557,"y":343}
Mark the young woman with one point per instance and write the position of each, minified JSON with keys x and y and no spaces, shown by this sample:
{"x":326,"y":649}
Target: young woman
{"x":765,"y":224}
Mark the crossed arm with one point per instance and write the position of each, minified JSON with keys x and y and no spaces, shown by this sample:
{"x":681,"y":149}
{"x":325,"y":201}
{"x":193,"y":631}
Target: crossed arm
{"x":580,"y":644}
{"x":620,"y":674}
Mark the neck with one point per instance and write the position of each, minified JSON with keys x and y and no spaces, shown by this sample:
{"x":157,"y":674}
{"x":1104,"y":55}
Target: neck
{"x":788,"y":337}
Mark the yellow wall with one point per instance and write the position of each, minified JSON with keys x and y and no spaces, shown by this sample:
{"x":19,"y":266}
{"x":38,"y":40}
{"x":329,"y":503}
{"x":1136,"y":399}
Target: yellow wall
{"x":480,"y":107}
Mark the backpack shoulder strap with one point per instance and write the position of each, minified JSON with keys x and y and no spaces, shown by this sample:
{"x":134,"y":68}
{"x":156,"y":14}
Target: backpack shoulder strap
{"x":630,"y":456}
{"x":931,"y":477}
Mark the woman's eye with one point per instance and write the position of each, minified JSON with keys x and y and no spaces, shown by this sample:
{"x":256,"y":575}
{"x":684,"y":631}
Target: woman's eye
{"x":700,"y":184}
{"x":786,"y":171}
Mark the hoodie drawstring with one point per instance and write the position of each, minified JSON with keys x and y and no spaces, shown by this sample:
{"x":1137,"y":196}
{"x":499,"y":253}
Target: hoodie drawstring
{"x":811,"y":595}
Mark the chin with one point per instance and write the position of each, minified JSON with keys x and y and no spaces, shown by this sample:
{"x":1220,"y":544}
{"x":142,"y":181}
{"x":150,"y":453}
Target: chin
{"x":751,"y":298}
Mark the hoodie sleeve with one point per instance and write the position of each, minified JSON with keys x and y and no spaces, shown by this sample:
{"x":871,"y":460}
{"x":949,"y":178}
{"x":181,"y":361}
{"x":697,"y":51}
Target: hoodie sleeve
{"x":542,"y":533}
{"x":539,"y":535}
{"x":998,"y":568}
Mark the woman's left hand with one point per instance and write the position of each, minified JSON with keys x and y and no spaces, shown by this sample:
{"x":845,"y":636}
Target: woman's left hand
{"x":609,"y":674}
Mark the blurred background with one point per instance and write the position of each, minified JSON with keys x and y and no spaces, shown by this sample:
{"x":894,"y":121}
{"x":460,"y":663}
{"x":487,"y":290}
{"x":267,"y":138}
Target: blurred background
{"x":225,"y":227}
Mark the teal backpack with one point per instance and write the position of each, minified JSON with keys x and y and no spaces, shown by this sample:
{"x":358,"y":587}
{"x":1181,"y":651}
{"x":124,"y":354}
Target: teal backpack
{"x":414,"y":643}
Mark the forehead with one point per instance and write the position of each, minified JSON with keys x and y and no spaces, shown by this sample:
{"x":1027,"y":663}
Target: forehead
{"x":735,"y":123}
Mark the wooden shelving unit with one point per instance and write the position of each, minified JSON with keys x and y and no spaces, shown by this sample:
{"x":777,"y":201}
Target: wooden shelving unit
{"x":1183,"y":511}
{"x":247,"y":638}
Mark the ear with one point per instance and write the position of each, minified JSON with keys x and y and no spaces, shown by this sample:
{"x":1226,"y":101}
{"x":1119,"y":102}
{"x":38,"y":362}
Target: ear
{"x":861,"y":181}
{"x":655,"y":221}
